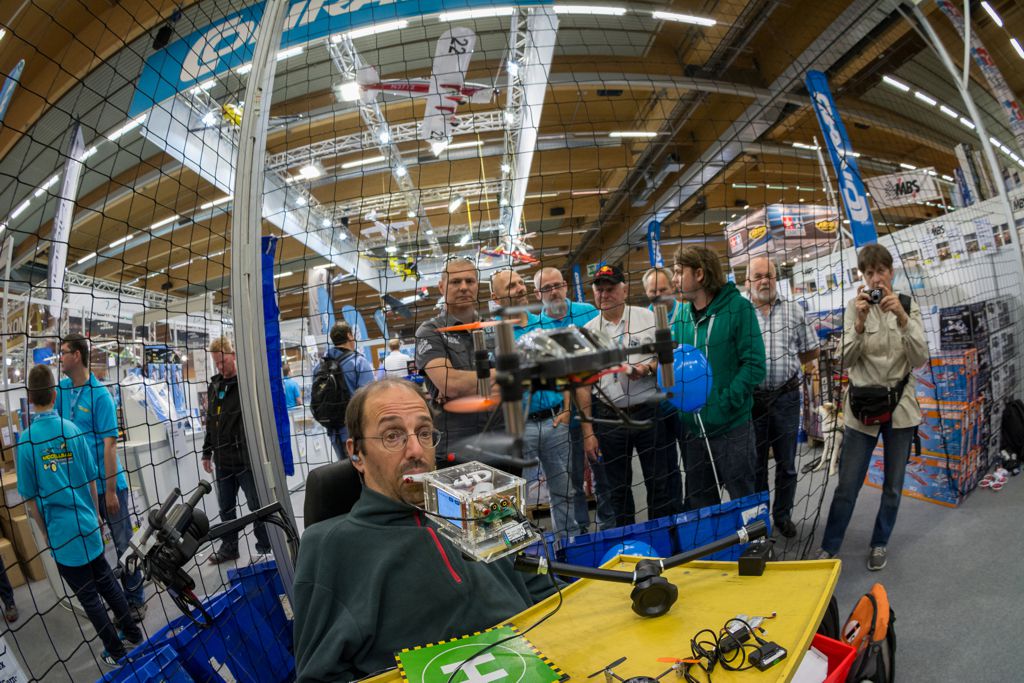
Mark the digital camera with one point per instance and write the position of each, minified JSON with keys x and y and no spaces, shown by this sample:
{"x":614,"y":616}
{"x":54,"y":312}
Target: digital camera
{"x":875,"y":295}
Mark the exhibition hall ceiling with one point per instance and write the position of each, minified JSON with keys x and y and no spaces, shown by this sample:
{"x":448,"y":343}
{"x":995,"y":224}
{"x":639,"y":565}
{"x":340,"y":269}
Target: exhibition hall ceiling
{"x":692,"y":123}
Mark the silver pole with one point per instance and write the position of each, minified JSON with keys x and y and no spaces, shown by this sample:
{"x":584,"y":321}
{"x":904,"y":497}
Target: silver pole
{"x":246,"y":285}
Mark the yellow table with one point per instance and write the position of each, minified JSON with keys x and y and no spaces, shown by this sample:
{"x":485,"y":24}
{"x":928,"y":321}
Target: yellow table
{"x":595,"y":625}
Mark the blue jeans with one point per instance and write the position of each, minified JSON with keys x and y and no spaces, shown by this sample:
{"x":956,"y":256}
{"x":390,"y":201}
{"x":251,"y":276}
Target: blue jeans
{"x":777,"y":429}
{"x":580,"y":509}
{"x":6,"y":591}
{"x":551,"y":446}
{"x":228,"y":484}
{"x":338,"y":438}
{"x":121,"y":532}
{"x":853,"y":466}
{"x":94,"y":584}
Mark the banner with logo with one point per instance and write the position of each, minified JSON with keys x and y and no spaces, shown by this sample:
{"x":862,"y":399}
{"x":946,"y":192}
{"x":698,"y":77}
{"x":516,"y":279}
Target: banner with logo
{"x":378,"y":317}
{"x":7,"y":91}
{"x":321,"y":305}
{"x":855,"y":201}
{"x":654,"y":244}
{"x":577,"y":283}
{"x":904,"y":188}
{"x":62,"y":218}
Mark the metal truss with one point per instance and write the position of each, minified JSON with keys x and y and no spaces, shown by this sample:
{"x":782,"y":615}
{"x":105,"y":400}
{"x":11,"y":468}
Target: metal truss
{"x":513,"y":115}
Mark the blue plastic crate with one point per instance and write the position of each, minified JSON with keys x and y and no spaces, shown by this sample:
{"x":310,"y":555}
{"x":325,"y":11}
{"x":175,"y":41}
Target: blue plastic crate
{"x":262,"y":586}
{"x":163,"y":665}
{"x":700,"y":527}
{"x":590,"y":549}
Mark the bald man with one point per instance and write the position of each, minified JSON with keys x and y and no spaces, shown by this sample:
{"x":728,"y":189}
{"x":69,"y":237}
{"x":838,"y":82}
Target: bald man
{"x":789,"y":343}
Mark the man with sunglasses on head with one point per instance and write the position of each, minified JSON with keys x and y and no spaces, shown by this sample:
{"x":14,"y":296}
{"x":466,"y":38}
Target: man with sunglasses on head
{"x":380,"y":579}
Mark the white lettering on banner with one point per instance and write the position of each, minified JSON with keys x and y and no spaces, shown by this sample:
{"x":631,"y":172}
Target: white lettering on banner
{"x":856,"y":203}
{"x":294,"y":14}
{"x":219,"y":41}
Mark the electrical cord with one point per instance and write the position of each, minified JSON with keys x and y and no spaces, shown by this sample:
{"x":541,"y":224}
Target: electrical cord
{"x":706,"y":647}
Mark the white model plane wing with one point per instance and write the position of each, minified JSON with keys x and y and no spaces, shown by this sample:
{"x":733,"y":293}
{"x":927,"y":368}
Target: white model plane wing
{"x":451,"y":60}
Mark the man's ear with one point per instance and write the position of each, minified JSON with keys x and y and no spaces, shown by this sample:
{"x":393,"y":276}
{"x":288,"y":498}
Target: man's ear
{"x":353,"y":454}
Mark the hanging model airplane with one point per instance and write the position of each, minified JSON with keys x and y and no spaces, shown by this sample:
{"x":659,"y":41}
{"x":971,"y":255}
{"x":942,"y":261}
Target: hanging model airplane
{"x":445,"y":90}
{"x":515,"y":249}
{"x":405,"y":268}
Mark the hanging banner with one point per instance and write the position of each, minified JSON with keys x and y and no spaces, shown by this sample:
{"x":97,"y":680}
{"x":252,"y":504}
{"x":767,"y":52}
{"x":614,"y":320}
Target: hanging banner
{"x":7,"y":91}
{"x":272,"y":329}
{"x":321,"y":308}
{"x":577,"y":283}
{"x":993,"y":75}
{"x":378,"y":317}
{"x":350,"y":315}
{"x":62,"y":218}
{"x":904,"y":188}
{"x":855,"y":201}
{"x":654,"y":244}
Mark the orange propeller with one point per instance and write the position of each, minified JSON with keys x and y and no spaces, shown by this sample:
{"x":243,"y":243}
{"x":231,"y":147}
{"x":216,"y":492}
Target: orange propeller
{"x":471,"y":404}
{"x":469,"y":327}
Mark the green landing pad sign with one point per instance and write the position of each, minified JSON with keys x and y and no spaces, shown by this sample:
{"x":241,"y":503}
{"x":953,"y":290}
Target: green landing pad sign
{"x":513,"y":661}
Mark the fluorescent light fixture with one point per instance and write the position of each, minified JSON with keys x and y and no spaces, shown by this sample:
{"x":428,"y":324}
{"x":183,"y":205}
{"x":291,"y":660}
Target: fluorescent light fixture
{"x":165,"y":221}
{"x":932,"y":173}
{"x":362,"y":162}
{"x":992,"y":13}
{"x":775,"y":187}
{"x":284,"y":274}
{"x":481,"y":13}
{"x":947,"y":178}
{"x":401,"y":171}
{"x":85,"y":258}
{"x":89,"y":152}
{"x":908,"y":167}
{"x":994,"y":141}
{"x":314,"y":169}
{"x":595,"y":10}
{"x":438,"y":147}
{"x":683,"y":18}
{"x":326,"y":223}
{"x":632,"y":134}
{"x":1017,"y":47}
{"x":465,"y":145}
{"x":349,"y":91}
{"x":372,"y":30}
{"x":967,"y":123}
{"x":927,"y":99}
{"x":3,"y":32}
{"x":203,"y":87}
{"x":804,"y":145}
{"x":289,"y":53}
{"x":215,"y":202}
{"x":464,"y":240}
{"x":21,"y":208}
{"x":243,"y":69}
{"x":744,"y":186}
{"x":130,"y":126}
{"x":391,"y":249}
{"x":117,"y":243}
{"x":181,"y":265}
{"x":455,"y":202}
{"x":430,"y":232}
{"x":889,"y":80}
{"x":948,"y":112}
{"x":46,"y":186}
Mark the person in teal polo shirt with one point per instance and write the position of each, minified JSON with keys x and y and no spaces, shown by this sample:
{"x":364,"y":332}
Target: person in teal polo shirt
{"x":292,"y":390}
{"x":57,"y":476}
{"x":82,"y":399}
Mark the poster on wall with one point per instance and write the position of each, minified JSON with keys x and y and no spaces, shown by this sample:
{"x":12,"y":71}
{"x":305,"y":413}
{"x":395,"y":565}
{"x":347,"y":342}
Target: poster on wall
{"x":904,"y":188}
{"x":986,"y":235}
{"x":778,"y":229}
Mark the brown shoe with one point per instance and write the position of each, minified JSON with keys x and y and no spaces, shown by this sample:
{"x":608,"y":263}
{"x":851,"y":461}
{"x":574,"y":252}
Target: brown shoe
{"x":221,"y":556}
{"x":11,"y":613}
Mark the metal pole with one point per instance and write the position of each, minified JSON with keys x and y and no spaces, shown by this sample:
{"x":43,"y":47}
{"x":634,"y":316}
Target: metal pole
{"x":246,"y":285}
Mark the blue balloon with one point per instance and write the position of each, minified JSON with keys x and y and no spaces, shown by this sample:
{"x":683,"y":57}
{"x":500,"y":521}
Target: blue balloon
{"x":629,"y":548}
{"x":693,"y":379}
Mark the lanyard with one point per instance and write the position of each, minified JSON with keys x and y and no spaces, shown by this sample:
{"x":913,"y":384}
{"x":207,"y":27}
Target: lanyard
{"x":76,"y":394}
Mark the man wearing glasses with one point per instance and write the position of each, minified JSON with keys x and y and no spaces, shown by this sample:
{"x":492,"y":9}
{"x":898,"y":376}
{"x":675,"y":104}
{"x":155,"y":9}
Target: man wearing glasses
{"x":446,"y":358}
{"x":380,"y":579}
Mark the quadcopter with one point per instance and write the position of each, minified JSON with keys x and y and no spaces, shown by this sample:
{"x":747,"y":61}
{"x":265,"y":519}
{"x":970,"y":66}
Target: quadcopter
{"x":678,"y":666}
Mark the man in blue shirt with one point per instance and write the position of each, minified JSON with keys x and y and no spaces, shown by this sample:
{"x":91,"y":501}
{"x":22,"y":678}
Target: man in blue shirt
{"x":561,"y":312}
{"x":84,"y":400}
{"x":354,"y":367}
{"x":57,"y":475}
{"x":292,"y":390}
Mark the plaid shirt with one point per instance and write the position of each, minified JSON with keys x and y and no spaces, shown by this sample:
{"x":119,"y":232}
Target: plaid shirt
{"x":786,"y":334}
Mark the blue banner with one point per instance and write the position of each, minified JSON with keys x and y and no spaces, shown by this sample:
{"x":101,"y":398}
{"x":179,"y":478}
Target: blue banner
{"x":230,"y":42}
{"x":577,"y":283}
{"x":855,"y":199}
{"x":272,"y":329}
{"x":350,"y":315}
{"x":7,"y":91}
{"x":654,"y":244}
{"x":378,"y":317}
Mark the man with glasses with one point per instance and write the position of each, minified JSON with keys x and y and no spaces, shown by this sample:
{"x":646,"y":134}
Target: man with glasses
{"x":446,"y":358}
{"x":559,"y":311}
{"x":82,"y":399}
{"x":381,"y":579}
{"x":789,"y":343}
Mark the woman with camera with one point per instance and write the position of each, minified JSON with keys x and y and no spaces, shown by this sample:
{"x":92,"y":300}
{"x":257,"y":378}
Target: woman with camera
{"x":883,"y":340}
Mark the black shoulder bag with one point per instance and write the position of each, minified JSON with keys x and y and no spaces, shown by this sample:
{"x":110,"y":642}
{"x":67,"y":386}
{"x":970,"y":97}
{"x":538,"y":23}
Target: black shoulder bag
{"x":875,"y":405}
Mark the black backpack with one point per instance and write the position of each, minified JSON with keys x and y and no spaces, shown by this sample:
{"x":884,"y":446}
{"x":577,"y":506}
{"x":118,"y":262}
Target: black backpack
{"x":1011,"y":432}
{"x":330,"y":394}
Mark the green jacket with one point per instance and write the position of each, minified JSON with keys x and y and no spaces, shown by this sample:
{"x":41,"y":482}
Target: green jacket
{"x":380,"y":579}
{"x":730,"y":337}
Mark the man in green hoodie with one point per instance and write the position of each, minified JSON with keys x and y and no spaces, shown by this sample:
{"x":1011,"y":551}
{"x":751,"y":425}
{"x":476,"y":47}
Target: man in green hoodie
{"x":717,"y":320}
{"x":381,"y":579}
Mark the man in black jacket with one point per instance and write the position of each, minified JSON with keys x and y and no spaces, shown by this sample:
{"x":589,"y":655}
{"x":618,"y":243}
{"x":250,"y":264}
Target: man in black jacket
{"x":224,"y":448}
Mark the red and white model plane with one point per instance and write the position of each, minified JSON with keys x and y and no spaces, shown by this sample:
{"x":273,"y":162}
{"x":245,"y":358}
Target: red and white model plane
{"x":516,"y":250}
{"x":445,"y":90}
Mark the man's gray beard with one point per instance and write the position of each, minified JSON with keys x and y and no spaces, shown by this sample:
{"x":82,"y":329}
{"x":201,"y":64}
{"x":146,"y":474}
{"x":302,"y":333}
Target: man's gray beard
{"x":556,"y":309}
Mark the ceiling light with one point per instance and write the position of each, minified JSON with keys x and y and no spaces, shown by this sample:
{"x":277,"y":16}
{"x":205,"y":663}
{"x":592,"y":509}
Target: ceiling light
{"x":209,"y":119}
{"x":384,"y":137}
{"x":430,"y":232}
{"x":89,"y":152}
{"x":948,"y":112}
{"x":889,"y":80}
{"x":131,"y":125}
{"x":289,"y":53}
{"x":804,"y":145}
{"x":464,"y":240}
{"x":326,"y":223}
{"x":203,"y":87}
{"x":160,"y":224}
{"x":21,"y":208}
{"x":342,"y":236}
{"x":591,"y":10}
{"x":215,"y":202}
{"x":994,"y":141}
{"x":244,"y":69}
{"x":482,"y":13}
{"x":908,"y":167}
{"x":455,"y":202}
{"x":372,"y":30}
{"x":117,"y":243}
{"x":438,"y":147}
{"x":349,"y":91}
{"x":181,"y":265}
{"x":510,"y":117}
{"x":683,"y":18}
{"x":313,"y":169}
{"x":925,"y":98}
{"x":992,"y":13}
{"x":362,"y":162}
{"x":632,"y":134}
{"x":301,"y":200}
{"x":775,"y":187}
{"x":410,"y":214}
{"x":46,"y":186}
{"x":506,"y":168}
{"x":947,"y":178}
{"x":513,"y":68}
{"x":284,"y":274}
{"x":401,"y":171}
{"x":967,"y":123}
{"x":466,"y":145}
{"x":85,"y":258}
{"x":391,"y":249}
{"x":3,"y":32}
{"x":744,"y":186}
{"x":1017,"y":47}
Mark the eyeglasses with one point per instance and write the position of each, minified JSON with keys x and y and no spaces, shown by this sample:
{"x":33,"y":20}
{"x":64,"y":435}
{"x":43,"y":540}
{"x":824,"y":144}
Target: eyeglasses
{"x":66,"y":352}
{"x":395,"y":440}
{"x":547,"y":289}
